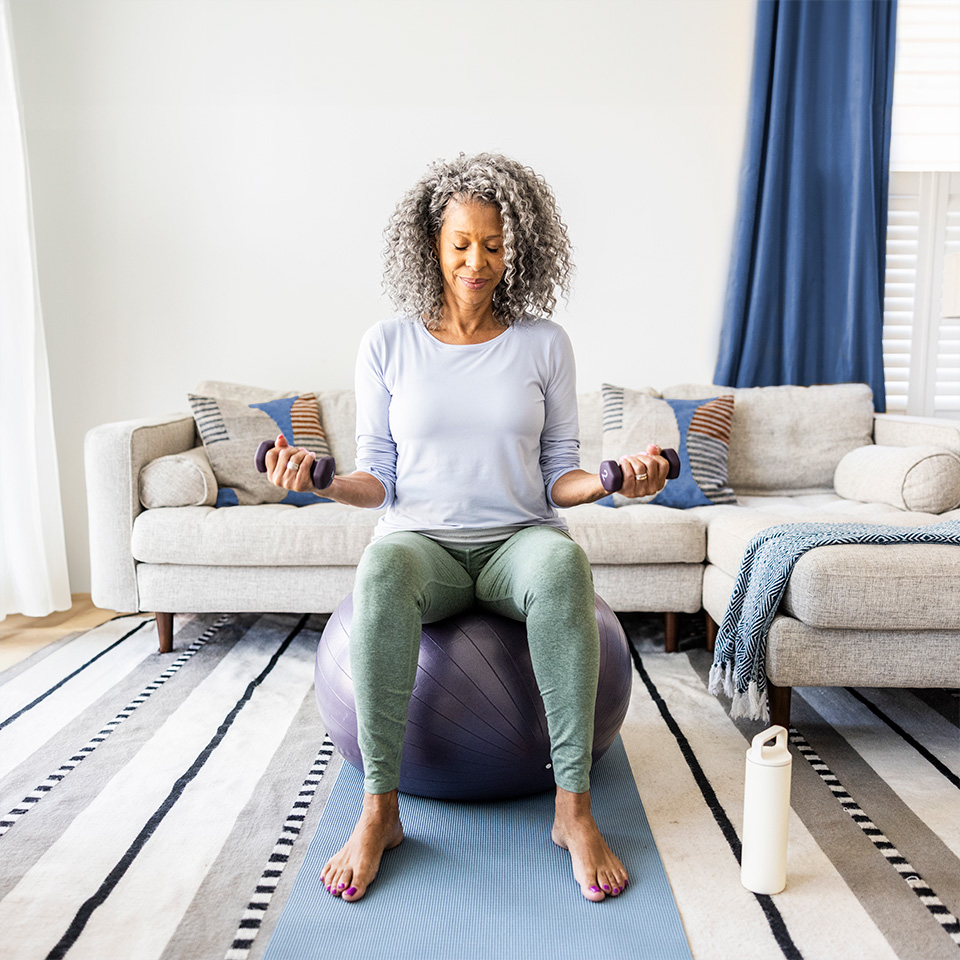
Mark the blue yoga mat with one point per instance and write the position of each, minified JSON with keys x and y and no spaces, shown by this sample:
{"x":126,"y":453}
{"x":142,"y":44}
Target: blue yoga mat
{"x":484,"y":881}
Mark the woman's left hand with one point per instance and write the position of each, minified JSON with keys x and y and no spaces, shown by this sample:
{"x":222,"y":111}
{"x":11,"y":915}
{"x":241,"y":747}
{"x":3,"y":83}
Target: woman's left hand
{"x":644,"y":474}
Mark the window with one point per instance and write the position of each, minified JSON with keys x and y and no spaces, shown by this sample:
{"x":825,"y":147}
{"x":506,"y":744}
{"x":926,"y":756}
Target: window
{"x":921,"y":349}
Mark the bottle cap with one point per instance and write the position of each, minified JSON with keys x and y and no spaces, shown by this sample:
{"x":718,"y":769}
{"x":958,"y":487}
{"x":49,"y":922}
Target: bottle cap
{"x":776,"y":755}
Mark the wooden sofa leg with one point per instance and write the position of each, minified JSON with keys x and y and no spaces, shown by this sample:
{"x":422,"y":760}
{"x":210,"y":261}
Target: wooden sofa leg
{"x":165,"y":631}
{"x":712,"y":629}
{"x":670,"y":633}
{"x":778,"y":699}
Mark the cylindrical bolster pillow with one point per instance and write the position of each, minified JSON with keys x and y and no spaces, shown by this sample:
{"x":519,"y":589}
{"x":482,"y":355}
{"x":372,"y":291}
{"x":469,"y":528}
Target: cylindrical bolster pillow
{"x":179,"y":480}
{"x":922,"y":479}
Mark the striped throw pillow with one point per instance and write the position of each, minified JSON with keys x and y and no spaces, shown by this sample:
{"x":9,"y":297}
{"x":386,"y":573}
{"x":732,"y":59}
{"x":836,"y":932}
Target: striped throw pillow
{"x":699,"y":430}
{"x":231,"y":431}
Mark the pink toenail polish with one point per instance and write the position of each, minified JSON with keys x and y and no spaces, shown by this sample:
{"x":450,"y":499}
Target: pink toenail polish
{"x":351,"y":891}
{"x":606,"y":887}
{"x":340,"y":886}
{"x":616,"y":890}
{"x":595,"y":889}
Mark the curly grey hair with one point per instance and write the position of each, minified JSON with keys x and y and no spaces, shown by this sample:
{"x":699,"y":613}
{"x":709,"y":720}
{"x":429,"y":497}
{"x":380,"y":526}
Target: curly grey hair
{"x":536,"y":249}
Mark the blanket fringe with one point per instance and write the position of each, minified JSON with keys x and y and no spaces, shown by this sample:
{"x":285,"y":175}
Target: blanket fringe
{"x":750,"y":704}
{"x":721,"y":679}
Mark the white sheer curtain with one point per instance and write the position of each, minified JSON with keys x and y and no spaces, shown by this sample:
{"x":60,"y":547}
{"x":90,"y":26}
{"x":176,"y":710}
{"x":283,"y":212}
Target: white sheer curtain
{"x":33,"y":556}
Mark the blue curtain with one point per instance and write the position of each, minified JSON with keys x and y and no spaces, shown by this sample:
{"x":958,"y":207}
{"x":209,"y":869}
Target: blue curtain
{"x":804,"y":300}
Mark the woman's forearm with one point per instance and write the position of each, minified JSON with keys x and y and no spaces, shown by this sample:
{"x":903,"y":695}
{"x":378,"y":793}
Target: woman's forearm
{"x":355,"y":489}
{"x":644,"y":474}
{"x":577,"y":487}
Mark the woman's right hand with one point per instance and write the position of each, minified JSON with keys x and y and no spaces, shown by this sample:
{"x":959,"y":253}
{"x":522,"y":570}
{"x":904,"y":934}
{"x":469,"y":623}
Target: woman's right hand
{"x":290,"y":467}
{"x":357,"y":489}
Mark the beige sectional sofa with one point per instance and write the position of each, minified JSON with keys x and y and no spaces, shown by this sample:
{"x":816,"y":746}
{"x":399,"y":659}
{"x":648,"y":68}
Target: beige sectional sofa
{"x":852,"y":615}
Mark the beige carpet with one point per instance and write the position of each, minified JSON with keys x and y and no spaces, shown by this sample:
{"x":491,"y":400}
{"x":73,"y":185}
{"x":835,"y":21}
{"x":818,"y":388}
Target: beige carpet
{"x":155,"y":807}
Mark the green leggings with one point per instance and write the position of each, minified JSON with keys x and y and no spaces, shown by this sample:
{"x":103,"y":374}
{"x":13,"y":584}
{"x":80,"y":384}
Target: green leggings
{"x":539,"y":575}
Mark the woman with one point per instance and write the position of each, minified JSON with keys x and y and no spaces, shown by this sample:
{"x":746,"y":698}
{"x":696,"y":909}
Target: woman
{"x":467,"y":433}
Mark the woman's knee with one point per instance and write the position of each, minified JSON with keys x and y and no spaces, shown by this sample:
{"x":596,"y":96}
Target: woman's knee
{"x":553,"y":569}
{"x":392,"y":564}
{"x":564,"y":566}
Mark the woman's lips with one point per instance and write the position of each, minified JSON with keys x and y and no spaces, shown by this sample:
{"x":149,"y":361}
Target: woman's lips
{"x":473,"y":284}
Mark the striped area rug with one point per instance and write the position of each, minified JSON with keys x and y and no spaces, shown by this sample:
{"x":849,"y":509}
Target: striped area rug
{"x":158,"y":808}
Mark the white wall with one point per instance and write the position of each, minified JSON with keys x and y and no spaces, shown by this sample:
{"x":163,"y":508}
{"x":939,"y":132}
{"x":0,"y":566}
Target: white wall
{"x":211,"y":179}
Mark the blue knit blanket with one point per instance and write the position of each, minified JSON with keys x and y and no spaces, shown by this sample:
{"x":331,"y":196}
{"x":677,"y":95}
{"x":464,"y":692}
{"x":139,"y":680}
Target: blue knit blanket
{"x":740,"y":652}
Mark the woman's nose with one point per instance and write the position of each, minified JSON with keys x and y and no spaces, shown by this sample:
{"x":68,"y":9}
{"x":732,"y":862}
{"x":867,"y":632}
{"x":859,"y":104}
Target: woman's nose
{"x":475,"y":257}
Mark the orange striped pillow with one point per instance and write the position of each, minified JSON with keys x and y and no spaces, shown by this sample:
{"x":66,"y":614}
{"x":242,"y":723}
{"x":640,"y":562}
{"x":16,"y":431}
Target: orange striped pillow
{"x":232,"y":429}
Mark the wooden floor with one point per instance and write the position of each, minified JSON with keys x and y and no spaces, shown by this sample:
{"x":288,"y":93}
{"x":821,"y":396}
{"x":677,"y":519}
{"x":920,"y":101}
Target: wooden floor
{"x":21,"y":636}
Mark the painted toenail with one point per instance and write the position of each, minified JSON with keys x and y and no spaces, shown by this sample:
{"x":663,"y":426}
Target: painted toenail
{"x":595,"y":889}
{"x":616,"y":890}
{"x":606,"y":887}
{"x":340,"y":886}
{"x":351,"y":891}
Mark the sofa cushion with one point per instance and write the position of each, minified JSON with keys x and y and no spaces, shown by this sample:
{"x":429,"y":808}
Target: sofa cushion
{"x":178,"y":480}
{"x":699,"y":429}
{"x":281,"y":535}
{"x":876,"y":587}
{"x":790,"y":439}
{"x":649,"y":535}
{"x":232,"y":429}
{"x":925,"y":479}
{"x":730,"y":529}
{"x":849,"y":585}
{"x":272,"y":534}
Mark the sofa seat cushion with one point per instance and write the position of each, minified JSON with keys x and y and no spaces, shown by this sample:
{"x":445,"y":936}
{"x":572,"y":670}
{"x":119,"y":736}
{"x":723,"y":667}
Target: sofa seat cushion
{"x":267,"y":534}
{"x":851,"y":586}
{"x":870,"y":587}
{"x":731,"y":528}
{"x":645,"y":534}
{"x":275,"y":534}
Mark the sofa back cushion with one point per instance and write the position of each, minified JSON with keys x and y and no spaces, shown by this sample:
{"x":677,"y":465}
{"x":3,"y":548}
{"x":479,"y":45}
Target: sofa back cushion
{"x":789,"y":440}
{"x":338,"y":413}
{"x":922,"y":479}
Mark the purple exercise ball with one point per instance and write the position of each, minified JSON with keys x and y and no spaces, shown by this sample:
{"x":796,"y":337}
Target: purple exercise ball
{"x":476,"y":728}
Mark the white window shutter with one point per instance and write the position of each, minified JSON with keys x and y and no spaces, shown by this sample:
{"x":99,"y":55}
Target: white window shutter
{"x":903,"y":234}
{"x":947,"y":387}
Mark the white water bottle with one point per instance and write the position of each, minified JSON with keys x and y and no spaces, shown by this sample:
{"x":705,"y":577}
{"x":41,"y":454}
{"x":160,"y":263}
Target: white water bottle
{"x":766,"y":813}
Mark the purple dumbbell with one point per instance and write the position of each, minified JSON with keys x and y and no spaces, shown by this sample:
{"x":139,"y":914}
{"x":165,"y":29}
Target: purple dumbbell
{"x":611,"y":476}
{"x":322,"y":474}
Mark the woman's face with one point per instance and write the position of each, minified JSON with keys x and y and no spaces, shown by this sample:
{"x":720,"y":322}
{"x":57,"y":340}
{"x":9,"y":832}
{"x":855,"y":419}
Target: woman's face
{"x":470,"y":248}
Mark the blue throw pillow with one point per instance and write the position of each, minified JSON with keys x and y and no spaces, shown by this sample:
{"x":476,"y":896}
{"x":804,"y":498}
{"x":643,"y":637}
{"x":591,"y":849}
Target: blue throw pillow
{"x":231,"y":431}
{"x":699,"y":430}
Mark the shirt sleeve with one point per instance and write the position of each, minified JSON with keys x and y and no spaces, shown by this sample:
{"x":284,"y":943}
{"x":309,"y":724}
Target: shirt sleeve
{"x":376,"y":450}
{"x":560,"y":440}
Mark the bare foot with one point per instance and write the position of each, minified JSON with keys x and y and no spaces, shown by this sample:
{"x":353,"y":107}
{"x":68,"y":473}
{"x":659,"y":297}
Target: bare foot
{"x":351,"y":870}
{"x":595,"y":867}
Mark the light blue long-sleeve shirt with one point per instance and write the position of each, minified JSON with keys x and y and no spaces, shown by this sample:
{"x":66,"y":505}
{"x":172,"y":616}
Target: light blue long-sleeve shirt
{"x":467,"y":440}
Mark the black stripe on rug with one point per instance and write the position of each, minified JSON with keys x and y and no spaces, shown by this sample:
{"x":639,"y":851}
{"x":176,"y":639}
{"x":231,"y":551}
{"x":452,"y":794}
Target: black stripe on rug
{"x":87,"y":909}
{"x":30,"y":801}
{"x":934,"y":761}
{"x":43,"y":696}
{"x":908,"y":874}
{"x":252,"y":919}
{"x":775,"y":919}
